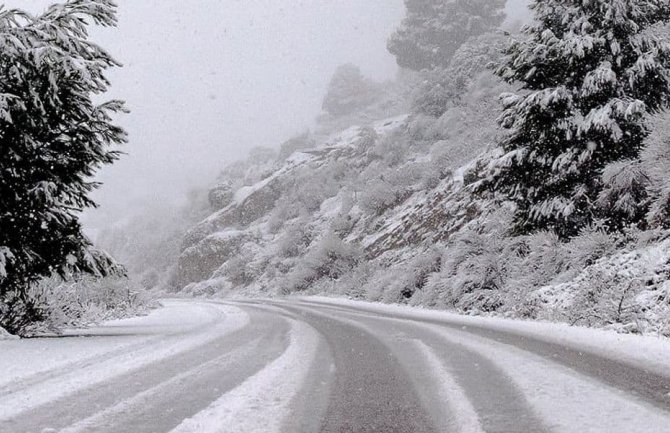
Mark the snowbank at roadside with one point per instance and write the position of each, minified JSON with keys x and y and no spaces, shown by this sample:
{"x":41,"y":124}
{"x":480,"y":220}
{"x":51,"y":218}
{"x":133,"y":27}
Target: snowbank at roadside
{"x":4,"y":335}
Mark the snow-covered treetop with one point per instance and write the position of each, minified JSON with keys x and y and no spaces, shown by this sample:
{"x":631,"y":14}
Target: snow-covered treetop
{"x":588,"y":45}
{"x":58,"y":39}
{"x":434,"y":29}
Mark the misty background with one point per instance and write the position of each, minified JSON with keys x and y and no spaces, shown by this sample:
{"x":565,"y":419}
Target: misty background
{"x":207,"y":81}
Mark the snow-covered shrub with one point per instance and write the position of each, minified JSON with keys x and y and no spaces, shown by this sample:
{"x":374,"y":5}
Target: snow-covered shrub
{"x":432,"y":293}
{"x":353,"y":284}
{"x":415,"y":275}
{"x":387,"y":188}
{"x":401,"y":282}
{"x":392,"y":149}
{"x":295,"y":240}
{"x":342,"y":224}
{"x":537,"y":260}
{"x":477,"y":55}
{"x":23,"y":312}
{"x":476,"y":269}
{"x":284,"y":210}
{"x":439,"y":91}
{"x":4,"y":335}
{"x":208,"y":288}
{"x":57,"y":303}
{"x":239,"y":269}
{"x":306,"y":191}
{"x":626,"y":291}
{"x":367,"y":138}
{"x":420,"y":128}
{"x":605,"y":299}
{"x":407,"y":177}
{"x":592,"y":243}
{"x":659,"y":211}
{"x":330,"y":258}
{"x":543,"y":259}
{"x":311,"y":187}
{"x":432,"y":176}
{"x":542,"y":256}
{"x":376,"y":288}
{"x":311,"y":193}
{"x":151,"y":279}
{"x":378,"y":196}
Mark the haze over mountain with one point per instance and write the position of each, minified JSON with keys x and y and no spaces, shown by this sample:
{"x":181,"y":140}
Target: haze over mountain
{"x":207,"y":81}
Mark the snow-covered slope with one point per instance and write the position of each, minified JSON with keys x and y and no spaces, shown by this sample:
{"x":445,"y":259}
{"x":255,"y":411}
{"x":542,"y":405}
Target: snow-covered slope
{"x":371,"y":212}
{"x":306,"y":189}
{"x":386,"y":209}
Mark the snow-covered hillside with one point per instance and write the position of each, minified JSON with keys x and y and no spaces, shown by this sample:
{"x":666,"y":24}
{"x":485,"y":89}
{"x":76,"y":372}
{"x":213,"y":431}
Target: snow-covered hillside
{"x":383,"y":205}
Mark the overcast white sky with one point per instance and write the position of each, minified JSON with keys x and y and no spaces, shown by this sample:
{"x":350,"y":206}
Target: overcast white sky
{"x":207,"y":80}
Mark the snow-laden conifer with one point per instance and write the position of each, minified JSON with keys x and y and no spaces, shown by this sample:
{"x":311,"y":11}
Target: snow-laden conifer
{"x":434,"y":29}
{"x":53,"y":137}
{"x":590,"y":73}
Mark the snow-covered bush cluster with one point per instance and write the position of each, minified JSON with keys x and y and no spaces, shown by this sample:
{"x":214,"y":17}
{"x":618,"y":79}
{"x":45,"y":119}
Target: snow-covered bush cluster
{"x":327,"y":259}
{"x":56,"y":304}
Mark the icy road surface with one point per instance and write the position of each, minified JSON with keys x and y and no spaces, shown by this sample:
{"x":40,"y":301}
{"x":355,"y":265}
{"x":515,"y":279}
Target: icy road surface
{"x":318,"y":365}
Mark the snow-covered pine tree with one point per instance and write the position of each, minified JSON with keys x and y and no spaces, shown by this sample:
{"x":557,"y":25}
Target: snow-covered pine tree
{"x":52,"y":137}
{"x":434,"y":29}
{"x":591,"y":71}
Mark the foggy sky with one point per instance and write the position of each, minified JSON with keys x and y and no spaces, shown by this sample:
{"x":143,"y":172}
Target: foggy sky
{"x":208,"y":80}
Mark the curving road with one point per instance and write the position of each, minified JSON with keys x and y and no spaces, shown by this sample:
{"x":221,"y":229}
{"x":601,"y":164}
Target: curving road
{"x":310,"y":366}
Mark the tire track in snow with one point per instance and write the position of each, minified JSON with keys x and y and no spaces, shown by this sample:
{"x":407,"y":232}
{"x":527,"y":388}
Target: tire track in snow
{"x":60,"y":403}
{"x":567,"y":400}
{"x":309,"y":406}
{"x":465,"y":415}
{"x":262,"y":402}
{"x":137,"y":414}
{"x":497,"y":404}
{"x":23,"y":384}
{"x":371,"y":389}
{"x":651,"y":386}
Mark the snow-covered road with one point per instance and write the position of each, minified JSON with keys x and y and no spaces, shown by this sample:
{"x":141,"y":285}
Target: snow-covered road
{"x":313,"y":364}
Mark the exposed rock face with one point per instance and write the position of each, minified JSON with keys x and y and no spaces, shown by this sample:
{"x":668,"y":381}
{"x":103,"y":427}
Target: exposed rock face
{"x":199,"y":261}
{"x":221,"y":195}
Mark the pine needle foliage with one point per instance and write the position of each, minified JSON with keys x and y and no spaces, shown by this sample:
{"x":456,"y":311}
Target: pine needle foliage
{"x":590,"y":73}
